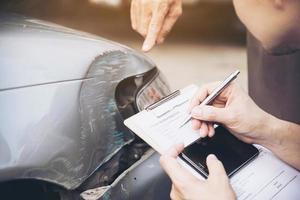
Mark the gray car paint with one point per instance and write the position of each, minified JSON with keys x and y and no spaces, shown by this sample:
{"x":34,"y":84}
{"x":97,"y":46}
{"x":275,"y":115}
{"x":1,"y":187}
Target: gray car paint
{"x":58,"y":117}
{"x":143,"y":180}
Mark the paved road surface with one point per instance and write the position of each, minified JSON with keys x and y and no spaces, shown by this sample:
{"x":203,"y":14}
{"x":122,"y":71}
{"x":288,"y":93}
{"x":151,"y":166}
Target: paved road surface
{"x":184,"y":64}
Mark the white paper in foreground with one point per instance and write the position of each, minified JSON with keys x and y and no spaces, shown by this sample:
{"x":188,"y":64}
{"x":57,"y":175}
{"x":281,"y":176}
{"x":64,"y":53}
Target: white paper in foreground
{"x":266,"y":177}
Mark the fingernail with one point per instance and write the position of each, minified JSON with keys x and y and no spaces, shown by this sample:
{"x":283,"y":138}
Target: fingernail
{"x":202,"y":135}
{"x":146,"y":47}
{"x":212,"y":157}
{"x":197,"y":111}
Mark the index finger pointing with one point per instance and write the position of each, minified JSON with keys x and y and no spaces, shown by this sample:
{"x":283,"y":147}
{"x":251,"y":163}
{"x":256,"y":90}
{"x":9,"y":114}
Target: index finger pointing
{"x":156,"y":24}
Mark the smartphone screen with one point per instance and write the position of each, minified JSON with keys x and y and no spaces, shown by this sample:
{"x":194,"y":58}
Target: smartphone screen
{"x":232,"y":152}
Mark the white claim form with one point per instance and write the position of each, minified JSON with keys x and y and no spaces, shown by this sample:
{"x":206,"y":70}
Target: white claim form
{"x":266,"y":177}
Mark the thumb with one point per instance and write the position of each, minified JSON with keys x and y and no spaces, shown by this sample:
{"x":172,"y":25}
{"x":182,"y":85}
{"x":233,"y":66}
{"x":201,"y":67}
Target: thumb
{"x":175,"y":150}
{"x":210,"y":113}
{"x":215,"y":167}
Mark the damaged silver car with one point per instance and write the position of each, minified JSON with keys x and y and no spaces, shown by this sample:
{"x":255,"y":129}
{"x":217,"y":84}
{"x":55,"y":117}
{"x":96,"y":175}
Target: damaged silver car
{"x":63,"y":97}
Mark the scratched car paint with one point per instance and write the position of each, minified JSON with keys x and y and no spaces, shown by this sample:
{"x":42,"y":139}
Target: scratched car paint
{"x":63,"y":97}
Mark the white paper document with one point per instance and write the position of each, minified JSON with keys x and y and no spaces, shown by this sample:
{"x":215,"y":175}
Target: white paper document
{"x":159,"y":127}
{"x":266,"y":177}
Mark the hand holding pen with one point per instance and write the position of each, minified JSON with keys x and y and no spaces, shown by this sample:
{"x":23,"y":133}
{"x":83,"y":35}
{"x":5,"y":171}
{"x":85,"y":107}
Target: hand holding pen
{"x":209,"y":96}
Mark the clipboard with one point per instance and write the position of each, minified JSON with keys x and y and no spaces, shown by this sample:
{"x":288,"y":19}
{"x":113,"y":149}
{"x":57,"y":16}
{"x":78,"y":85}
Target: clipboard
{"x":163,"y":100}
{"x":166,"y":114}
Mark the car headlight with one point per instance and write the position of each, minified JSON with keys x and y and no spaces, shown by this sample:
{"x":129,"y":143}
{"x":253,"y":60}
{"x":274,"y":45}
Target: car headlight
{"x":135,"y":93}
{"x":152,"y":91}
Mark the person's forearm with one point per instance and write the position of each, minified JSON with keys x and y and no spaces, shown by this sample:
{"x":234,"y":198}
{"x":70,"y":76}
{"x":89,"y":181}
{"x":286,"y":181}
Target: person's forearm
{"x":283,"y":139}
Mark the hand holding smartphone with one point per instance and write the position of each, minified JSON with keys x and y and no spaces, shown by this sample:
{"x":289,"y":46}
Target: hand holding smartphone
{"x":233,"y":153}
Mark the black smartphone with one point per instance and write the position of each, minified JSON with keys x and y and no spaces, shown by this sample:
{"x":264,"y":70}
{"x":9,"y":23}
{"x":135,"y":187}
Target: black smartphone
{"x":232,"y":152}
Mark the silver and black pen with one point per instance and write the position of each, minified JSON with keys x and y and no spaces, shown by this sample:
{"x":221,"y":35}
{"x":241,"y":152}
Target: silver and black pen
{"x":214,"y":94}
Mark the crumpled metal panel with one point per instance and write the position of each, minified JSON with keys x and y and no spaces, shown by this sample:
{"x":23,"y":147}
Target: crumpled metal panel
{"x":144,"y":180}
{"x":59,"y":121}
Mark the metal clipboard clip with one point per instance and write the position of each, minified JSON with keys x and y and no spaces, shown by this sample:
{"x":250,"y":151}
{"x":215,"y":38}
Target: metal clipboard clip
{"x":163,"y":100}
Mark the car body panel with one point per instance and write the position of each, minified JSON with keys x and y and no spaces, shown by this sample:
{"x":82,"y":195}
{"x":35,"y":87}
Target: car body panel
{"x":50,"y":53}
{"x":144,"y":180}
{"x":59,"y":121}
